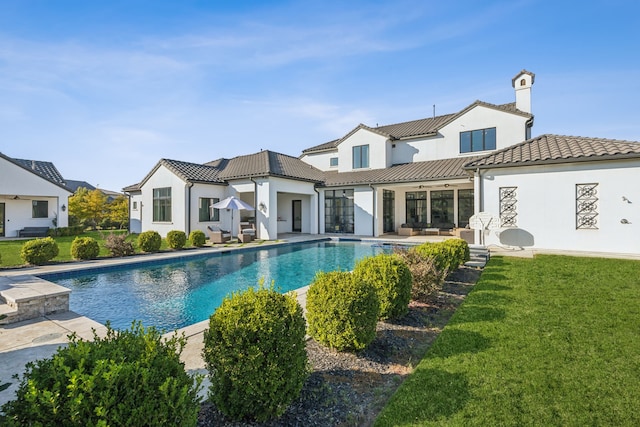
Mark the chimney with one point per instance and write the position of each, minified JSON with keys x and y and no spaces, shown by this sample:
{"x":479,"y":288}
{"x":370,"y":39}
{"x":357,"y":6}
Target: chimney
{"x":522,"y":83}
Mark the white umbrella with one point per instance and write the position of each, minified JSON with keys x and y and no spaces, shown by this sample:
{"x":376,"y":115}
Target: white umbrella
{"x":234,"y":204}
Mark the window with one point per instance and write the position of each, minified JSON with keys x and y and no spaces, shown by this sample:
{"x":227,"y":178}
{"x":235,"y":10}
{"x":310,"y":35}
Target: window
{"x":478,"y":140}
{"x":39,"y":209}
{"x":508,"y":206}
{"x":586,"y":206}
{"x":416,"y":204}
{"x":465,"y":207}
{"x":135,"y":206}
{"x":207,"y":212}
{"x":333,"y":161}
{"x":338,"y":211}
{"x":361,"y":156}
{"x":162,"y":204}
{"x":442,"y":208}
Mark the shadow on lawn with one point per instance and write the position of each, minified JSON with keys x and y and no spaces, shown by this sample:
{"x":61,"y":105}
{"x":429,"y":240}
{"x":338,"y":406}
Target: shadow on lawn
{"x":447,"y":393}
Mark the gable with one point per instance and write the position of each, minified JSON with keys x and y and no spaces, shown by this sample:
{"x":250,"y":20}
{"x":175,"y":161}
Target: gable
{"x":15,"y":179}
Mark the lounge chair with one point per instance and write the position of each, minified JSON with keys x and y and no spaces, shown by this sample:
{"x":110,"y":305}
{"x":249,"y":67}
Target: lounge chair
{"x":217,"y":235}
{"x":247,"y":232}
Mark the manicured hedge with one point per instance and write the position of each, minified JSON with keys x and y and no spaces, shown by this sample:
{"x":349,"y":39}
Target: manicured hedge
{"x":255,"y":354}
{"x":39,"y":251}
{"x":342,"y":311}
{"x":391,"y":278}
{"x":128,"y":378}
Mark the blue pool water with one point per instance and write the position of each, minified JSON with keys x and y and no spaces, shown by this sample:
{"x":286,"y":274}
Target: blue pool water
{"x":176,"y":294}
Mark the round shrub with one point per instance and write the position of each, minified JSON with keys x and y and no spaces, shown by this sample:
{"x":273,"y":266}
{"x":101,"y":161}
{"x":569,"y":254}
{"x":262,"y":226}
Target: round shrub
{"x":391,"y":277}
{"x":149,"y":241}
{"x":84,"y":248}
{"x":39,"y":251}
{"x":197,"y":238}
{"x":255,"y":354}
{"x":118,"y":245}
{"x":128,"y":378}
{"x":342,"y":311}
{"x":176,"y":239}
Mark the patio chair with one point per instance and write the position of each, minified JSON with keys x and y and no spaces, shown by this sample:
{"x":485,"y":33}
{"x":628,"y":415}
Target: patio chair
{"x":247,"y":231}
{"x":217,"y":235}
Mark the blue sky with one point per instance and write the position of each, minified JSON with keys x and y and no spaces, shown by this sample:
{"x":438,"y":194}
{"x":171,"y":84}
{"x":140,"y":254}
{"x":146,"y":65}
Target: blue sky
{"x":106,"y":89}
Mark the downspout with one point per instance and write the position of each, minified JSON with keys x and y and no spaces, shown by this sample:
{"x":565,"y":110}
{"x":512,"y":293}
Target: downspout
{"x":318,"y":198}
{"x":189,"y":185}
{"x":478,"y":176}
{"x":373,"y":226}
{"x":255,"y":205}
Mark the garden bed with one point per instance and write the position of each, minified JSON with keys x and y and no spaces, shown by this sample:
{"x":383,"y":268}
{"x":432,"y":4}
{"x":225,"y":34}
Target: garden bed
{"x":352,"y":388}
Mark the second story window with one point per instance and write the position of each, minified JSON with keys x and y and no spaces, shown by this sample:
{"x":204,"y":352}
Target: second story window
{"x":333,"y":161}
{"x":361,"y":156}
{"x":478,"y":140}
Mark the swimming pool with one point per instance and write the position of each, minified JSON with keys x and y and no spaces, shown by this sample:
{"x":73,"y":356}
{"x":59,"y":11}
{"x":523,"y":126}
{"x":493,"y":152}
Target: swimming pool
{"x":175,"y":294}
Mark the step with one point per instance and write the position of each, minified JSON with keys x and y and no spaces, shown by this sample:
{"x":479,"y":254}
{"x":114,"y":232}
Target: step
{"x":6,"y":313}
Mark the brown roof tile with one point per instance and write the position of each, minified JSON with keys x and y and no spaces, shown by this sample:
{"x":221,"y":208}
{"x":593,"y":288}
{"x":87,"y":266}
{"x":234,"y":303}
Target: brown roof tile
{"x":409,"y":172}
{"x":416,"y":128}
{"x":558,"y":149}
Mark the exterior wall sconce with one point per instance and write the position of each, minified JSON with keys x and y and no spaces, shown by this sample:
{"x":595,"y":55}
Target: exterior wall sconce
{"x":64,"y":208}
{"x":262,"y":207}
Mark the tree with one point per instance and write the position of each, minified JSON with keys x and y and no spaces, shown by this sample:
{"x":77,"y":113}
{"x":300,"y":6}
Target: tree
{"x":88,"y":207}
{"x":119,"y":211}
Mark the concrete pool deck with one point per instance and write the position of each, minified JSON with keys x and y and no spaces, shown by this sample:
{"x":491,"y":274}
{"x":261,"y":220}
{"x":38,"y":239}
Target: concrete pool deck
{"x":39,"y":338}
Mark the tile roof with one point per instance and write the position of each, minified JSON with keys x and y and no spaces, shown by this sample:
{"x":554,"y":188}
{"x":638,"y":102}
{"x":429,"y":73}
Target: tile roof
{"x":407,"y":172}
{"x":417,"y":128}
{"x":547,"y":149}
{"x":270,"y":163}
{"x":193,"y":172}
{"x":44,"y":169}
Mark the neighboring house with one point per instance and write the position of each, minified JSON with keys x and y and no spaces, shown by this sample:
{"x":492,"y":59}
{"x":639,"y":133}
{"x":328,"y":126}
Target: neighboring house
{"x":562,"y":192}
{"x":32,"y":194}
{"x":73,"y":185}
{"x":425,"y":175}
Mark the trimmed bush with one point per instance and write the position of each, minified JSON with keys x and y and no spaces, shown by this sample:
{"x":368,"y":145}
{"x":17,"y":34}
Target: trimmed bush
{"x":448,"y":255}
{"x":84,"y":248}
{"x":255,"y":354}
{"x":39,"y":251}
{"x":426,"y":279}
{"x":197,"y":238}
{"x":176,"y":239}
{"x":128,"y":378}
{"x":391,"y":277}
{"x":342,"y":311}
{"x":149,"y":241}
{"x":118,"y":245}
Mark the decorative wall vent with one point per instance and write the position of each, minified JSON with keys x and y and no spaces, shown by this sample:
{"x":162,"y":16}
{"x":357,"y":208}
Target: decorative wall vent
{"x":586,"y":206}
{"x":508,"y":207}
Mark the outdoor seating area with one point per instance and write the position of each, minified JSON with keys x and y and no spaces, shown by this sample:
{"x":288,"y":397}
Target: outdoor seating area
{"x":422,"y":228}
{"x":247,"y":232}
{"x":33,"y":232}
{"x":216,"y":235}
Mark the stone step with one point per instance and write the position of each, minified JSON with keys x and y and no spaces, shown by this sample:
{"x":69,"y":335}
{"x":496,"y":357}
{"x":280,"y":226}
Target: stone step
{"x":6,"y":313}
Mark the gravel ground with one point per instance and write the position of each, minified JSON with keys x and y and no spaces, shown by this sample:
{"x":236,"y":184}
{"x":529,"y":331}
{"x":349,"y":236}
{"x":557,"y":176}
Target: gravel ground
{"x":350,"y":389}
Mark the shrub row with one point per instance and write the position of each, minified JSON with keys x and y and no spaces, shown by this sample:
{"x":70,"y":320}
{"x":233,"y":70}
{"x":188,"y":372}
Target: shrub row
{"x":41,"y":251}
{"x":343,"y":308}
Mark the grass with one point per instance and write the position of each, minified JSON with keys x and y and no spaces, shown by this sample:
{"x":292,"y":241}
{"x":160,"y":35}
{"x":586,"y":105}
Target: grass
{"x":546,"y":341}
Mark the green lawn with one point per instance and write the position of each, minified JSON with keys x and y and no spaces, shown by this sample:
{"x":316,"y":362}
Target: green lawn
{"x":10,"y":249}
{"x":547,"y":341}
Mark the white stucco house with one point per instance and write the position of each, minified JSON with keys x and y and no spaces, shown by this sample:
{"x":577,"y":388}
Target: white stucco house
{"x":430,"y":175}
{"x":32,"y":194}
